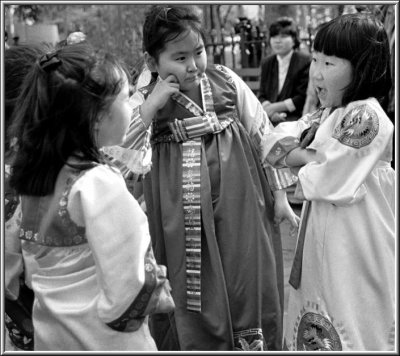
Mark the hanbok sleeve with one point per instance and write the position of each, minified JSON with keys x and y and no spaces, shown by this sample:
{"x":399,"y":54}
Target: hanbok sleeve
{"x":135,"y":153}
{"x":348,"y":147}
{"x":256,"y":122}
{"x":118,"y":235}
{"x":278,"y":142}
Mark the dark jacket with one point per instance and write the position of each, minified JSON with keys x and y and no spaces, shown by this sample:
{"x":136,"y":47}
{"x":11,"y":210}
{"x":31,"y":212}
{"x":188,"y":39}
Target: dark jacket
{"x":294,"y":87}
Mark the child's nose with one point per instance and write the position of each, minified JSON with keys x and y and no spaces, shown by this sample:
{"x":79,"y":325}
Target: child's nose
{"x":315,"y":71}
{"x":192,"y":66}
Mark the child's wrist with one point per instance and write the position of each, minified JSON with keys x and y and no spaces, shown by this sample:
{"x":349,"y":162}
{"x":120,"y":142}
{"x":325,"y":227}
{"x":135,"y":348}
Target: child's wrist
{"x":147,"y":113}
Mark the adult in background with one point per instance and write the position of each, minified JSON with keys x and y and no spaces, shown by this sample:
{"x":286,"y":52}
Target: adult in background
{"x":284,"y":74}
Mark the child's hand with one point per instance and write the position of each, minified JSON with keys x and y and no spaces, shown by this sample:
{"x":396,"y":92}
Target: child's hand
{"x":278,"y":117}
{"x":283,"y":211}
{"x":265,"y":104}
{"x":158,"y":98}
{"x":163,"y":90}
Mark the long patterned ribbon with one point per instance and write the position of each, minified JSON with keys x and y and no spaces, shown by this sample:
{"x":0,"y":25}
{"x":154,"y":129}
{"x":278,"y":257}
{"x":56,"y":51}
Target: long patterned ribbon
{"x":189,"y":132}
{"x":318,"y":116}
{"x":192,"y":213}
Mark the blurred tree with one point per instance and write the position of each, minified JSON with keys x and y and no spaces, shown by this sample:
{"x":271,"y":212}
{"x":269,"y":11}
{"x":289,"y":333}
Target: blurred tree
{"x":116,"y":28}
{"x":24,"y":12}
{"x":272,"y":12}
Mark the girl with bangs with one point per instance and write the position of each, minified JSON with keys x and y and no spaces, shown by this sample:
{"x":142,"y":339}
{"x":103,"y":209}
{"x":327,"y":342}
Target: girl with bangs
{"x":343,"y":274}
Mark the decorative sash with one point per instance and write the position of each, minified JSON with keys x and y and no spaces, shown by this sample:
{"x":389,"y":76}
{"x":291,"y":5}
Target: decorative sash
{"x":295,"y":273}
{"x":315,"y":119}
{"x":192,"y":213}
{"x":189,"y":132}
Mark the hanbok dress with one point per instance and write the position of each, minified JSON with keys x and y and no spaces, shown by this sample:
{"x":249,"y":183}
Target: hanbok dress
{"x":344,"y":287}
{"x":89,"y":260}
{"x":210,"y":208}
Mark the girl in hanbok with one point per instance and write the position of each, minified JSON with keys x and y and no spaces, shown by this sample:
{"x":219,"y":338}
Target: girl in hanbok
{"x":343,"y":275}
{"x":85,"y":240}
{"x":211,"y":208}
{"x":18,"y":301}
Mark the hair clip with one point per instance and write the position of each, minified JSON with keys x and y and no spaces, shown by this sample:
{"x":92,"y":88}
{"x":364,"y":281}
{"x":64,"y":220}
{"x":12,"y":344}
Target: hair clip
{"x":166,"y":9}
{"x":49,"y":61}
{"x":76,"y":37}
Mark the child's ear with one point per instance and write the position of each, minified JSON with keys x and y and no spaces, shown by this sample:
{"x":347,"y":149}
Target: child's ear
{"x":150,"y":62}
{"x":99,"y":119}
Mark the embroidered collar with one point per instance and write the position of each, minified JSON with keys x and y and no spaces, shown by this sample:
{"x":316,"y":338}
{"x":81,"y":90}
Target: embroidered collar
{"x":207,"y":98}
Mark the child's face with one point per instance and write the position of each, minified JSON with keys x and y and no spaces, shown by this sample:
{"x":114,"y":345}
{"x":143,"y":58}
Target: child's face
{"x":185,"y":57}
{"x":113,"y":124}
{"x":282,"y":44}
{"x":330,"y":76}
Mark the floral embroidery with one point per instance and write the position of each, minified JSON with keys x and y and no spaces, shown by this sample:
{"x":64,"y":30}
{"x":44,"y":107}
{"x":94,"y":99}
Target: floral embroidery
{"x":17,"y":337}
{"x":316,"y":333}
{"x":74,"y":235}
{"x":249,"y":340}
{"x":358,"y":128}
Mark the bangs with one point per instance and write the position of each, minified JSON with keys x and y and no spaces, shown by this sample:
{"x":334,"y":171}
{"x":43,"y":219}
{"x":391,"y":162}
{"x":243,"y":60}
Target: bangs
{"x":335,"y":39}
{"x":362,"y":40}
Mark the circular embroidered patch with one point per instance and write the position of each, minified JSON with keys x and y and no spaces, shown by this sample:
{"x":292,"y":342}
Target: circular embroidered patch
{"x":316,"y":333}
{"x":358,"y":127}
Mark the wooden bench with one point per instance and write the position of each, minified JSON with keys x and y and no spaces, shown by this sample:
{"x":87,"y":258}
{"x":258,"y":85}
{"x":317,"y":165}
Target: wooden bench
{"x":251,"y":76}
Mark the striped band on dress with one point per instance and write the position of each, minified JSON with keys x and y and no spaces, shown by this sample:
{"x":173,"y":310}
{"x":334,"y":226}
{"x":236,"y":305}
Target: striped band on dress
{"x":192,"y":212}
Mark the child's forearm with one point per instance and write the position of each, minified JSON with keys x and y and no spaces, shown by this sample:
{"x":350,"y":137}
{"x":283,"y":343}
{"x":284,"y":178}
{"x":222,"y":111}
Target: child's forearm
{"x":147,"y":112}
{"x":300,"y":157}
{"x":279,"y":194}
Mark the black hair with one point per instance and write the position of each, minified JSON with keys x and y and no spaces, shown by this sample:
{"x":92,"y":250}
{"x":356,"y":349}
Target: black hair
{"x":61,"y":99}
{"x":18,"y":60}
{"x":164,"y":23}
{"x":285,"y":26}
{"x":362,"y":39}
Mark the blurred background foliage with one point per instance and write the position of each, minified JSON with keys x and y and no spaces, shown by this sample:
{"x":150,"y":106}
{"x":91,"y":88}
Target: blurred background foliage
{"x":117,"y":27}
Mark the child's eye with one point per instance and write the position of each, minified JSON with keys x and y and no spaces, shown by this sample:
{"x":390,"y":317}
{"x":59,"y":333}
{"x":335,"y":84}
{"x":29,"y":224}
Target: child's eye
{"x":199,"y":52}
{"x":328,"y":63}
{"x":180,"y":59}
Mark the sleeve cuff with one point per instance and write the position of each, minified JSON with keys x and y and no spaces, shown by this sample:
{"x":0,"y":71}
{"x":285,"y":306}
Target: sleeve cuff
{"x":280,"y":178}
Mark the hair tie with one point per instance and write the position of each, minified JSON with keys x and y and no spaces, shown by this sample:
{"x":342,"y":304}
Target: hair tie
{"x":166,"y":9}
{"x":76,"y":37}
{"x":49,"y":61}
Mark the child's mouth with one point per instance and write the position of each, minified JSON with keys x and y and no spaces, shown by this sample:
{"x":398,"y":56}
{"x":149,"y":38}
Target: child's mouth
{"x":321,"y":92}
{"x":191,"y":79}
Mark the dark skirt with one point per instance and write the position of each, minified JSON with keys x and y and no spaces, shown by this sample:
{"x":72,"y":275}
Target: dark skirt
{"x":242,"y":264}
